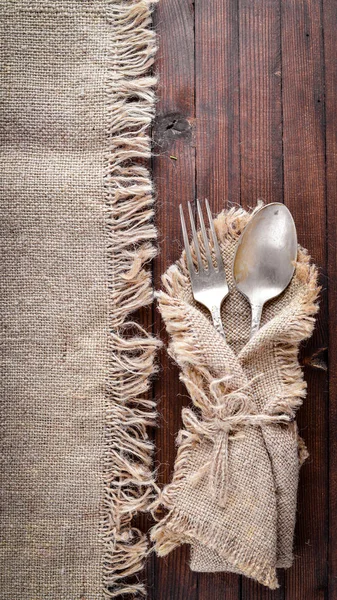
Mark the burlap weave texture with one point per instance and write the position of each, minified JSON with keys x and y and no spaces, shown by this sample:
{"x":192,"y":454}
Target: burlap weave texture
{"x":76,"y":233}
{"x":243,"y":519}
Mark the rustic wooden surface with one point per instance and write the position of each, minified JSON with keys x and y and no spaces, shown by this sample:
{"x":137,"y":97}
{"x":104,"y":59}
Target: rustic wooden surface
{"x":247,"y":106}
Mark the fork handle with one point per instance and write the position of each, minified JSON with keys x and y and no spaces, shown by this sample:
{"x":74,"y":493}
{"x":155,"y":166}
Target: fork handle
{"x":216,"y":316}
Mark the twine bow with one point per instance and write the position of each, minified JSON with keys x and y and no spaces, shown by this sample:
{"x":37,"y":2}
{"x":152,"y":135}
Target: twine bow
{"x":224,"y":414}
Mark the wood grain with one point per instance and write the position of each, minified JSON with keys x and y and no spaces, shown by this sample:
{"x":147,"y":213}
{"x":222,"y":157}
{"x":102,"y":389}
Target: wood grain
{"x":330,"y":64}
{"x":175,"y":182}
{"x":260,"y":102}
{"x":304,"y":193}
{"x":217,"y":102}
{"x":247,"y":110}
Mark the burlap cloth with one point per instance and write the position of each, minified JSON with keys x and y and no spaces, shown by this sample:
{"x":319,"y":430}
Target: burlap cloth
{"x":233,"y":493}
{"x":76,"y":233}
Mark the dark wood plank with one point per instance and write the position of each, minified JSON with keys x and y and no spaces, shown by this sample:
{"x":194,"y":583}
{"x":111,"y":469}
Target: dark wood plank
{"x":217,"y":155}
{"x":175,"y":182}
{"x":304,"y":192}
{"x":217,"y":101}
{"x":260,"y":102}
{"x":217,"y":586}
{"x":330,"y":44}
{"x":260,"y":139}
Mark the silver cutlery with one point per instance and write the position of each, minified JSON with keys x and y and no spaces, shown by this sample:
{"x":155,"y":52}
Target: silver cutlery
{"x":208,"y":280}
{"x":264,"y":259}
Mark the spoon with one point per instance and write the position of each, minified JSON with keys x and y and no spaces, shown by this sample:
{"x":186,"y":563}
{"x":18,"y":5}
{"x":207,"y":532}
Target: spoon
{"x":263,"y":262}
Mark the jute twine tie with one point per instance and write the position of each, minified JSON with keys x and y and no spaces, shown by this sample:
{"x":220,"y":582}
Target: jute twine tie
{"x":224,"y":421}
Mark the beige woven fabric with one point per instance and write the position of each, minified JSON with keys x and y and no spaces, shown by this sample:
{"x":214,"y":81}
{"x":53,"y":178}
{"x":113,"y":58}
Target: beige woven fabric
{"x":233,"y":494}
{"x":76,"y":219}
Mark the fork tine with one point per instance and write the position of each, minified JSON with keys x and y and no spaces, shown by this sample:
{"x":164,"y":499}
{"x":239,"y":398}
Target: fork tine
{"x":217,"y":251}
{"x":204,"y":236}
{"x":195,"y":239}
{"x":186,"y":244}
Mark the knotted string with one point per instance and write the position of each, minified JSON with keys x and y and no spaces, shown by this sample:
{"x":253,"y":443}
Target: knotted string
{"x":224,"y":414}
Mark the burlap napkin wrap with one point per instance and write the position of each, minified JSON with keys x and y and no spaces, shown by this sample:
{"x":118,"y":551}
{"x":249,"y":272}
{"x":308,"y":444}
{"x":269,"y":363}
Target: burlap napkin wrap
{"x":234,"y":488}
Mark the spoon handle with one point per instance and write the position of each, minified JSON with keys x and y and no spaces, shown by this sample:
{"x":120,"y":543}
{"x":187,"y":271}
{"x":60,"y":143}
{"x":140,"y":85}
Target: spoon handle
{"x":256,"y":318}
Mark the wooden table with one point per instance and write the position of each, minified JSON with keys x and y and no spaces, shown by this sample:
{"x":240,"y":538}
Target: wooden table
{"x":246,"y":111}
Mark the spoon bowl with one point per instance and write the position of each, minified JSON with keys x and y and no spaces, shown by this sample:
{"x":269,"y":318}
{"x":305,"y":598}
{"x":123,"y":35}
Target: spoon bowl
{"x":264,"y":259}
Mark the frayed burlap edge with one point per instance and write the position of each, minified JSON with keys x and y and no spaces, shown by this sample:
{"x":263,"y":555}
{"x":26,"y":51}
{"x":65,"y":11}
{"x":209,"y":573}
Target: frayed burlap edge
{"x":184,"y":349}
{"x":128,"y":478}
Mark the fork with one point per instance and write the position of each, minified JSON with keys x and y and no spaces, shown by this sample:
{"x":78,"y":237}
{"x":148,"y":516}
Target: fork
{"x":209,"y":285}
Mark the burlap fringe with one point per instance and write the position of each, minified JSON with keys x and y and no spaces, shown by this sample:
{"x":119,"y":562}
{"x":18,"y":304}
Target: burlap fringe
{"x":184,"y":349}
{"x":128,"y":477}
